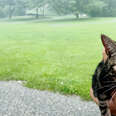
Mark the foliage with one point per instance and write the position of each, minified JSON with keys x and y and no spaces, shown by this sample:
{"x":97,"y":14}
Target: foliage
{"x":110,"y":9}
{"x":94,"y":8}
{"x":37,"y":4}
{"x":61,"y":7}
{"x":2,"y":12}
{"x":13,"y":7}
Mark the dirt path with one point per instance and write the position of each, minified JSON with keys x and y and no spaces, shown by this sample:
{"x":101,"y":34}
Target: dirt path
{"x":16,"y":100}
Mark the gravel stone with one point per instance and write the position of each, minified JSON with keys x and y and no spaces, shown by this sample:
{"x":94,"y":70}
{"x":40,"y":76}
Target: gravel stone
{"x":16,"y":100}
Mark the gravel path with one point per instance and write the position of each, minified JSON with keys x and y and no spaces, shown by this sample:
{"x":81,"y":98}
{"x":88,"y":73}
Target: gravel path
{"x":16,"y":100}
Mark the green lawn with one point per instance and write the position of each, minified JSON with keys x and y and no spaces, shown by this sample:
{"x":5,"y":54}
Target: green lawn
{"x":54,"y":55}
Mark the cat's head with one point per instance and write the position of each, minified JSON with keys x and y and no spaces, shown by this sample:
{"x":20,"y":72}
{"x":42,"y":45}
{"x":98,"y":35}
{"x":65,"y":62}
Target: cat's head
{"x":110,"y":48}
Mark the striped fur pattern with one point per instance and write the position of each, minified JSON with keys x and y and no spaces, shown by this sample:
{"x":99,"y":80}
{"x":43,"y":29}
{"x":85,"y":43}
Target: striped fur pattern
{"x":104,"y":78}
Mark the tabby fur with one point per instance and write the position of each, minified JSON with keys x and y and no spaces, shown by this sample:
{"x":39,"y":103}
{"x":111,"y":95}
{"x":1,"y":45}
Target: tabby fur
{"x":104,"y":78}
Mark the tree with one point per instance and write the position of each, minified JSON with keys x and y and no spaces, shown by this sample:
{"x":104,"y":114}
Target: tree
{"x":37,"y":4}
{"x":95,"y":8}
{"x":78,"y":6}
{"x":69,"y":6}
{"x":110,"y":9}
{"x":61,"y":7}
{"x":20,"y":7}
{"x":9,"y":4}
{"x":12,"y":6}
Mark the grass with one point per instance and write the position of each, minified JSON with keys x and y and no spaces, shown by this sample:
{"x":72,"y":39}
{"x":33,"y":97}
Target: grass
{"x":59,"y":56}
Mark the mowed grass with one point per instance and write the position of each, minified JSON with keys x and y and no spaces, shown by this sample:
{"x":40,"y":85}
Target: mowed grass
{"x":59,"y":56}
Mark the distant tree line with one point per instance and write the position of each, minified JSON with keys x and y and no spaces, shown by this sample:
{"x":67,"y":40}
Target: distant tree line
{"x":93,"y":8}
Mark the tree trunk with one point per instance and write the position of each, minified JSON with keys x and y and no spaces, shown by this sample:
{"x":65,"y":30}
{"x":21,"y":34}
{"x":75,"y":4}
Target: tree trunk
{"x":37,"y":15}
{"x":10,"y":16}
{"x":43,"y":11}
{"x":11,"y":10}
{"x":77,"y":15}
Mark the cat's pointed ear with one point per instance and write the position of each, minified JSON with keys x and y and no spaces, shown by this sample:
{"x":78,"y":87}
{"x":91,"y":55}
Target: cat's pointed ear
{"x":109,"y":45}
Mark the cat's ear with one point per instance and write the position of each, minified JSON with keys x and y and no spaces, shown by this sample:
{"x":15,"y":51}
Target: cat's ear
{"x":109,"y":45}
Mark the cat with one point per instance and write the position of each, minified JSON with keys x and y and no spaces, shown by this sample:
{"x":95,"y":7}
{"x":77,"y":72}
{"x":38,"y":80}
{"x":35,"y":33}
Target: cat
{"x":104,"y":78}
